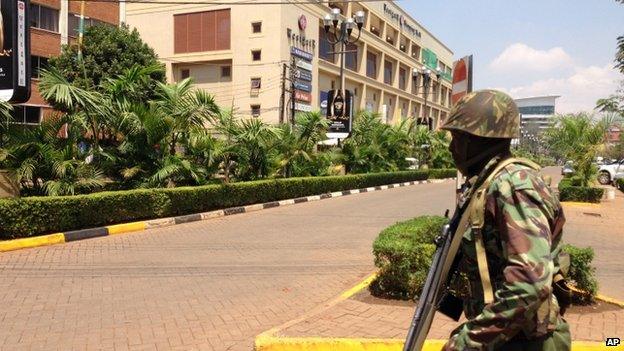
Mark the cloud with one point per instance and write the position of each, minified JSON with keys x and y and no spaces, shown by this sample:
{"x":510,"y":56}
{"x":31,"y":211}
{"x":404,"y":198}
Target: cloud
{"x":579,"y":90}
{"x":520,"y":57}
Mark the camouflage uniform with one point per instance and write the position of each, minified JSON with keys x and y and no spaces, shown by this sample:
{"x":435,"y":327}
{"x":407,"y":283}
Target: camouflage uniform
{"x":522,"y":235}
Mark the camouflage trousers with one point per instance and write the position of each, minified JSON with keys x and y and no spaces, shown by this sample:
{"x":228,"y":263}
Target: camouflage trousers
{"x":559,"y":340}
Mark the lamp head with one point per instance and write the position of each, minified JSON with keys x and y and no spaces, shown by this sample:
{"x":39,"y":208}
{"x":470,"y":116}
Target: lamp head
{"x":359,"y":18}
{"x":350,"y":24}
{"x":327,"y":22}
{"x":335,"y":15}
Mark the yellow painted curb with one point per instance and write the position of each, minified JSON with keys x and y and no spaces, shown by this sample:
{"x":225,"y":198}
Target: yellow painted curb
{"x":267,"y":343}
{"x":600,"y":297}
{"x":579,"y":204}
{"x":126,"y":228}
{"x":360,"y":286}
{"x":44,"y":240}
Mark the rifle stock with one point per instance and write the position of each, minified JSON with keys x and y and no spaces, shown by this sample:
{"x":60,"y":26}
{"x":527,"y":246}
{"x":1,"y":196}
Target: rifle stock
{"x":444,"y":261}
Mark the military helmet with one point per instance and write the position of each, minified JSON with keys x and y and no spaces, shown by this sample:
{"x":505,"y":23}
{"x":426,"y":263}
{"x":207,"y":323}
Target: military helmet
{"x":485,"y":113}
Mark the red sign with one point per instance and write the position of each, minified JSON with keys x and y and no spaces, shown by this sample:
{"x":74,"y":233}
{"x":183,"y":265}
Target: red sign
{"x":303,"y":22}
{"x":303,"y":96}
{"x":462,"y":78}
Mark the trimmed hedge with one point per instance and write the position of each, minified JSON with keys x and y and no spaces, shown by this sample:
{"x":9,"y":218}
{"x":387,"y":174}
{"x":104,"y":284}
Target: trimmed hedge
{"x":403,"y":254}
{"x":582,"y":273}
{"x":31,"y":216}
{"x":569,"y":190}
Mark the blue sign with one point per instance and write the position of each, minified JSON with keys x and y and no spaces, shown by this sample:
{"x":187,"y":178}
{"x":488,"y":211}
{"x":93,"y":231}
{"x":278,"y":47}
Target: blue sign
{"x":303,"y":75}
{"x":323,"y":99}
{"x":305,"y":86}
{"x":300,"y":53}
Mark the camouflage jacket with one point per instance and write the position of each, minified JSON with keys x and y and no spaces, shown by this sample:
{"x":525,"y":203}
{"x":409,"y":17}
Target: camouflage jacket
{"x":522,"y":236}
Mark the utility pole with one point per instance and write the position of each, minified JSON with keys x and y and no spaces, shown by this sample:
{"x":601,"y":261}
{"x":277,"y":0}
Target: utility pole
{"x":283,"y":97}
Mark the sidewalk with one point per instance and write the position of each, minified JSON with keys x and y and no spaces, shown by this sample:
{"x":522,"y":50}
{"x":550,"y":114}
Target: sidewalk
{"x":371,"y":323}
{"x":600,"y":226}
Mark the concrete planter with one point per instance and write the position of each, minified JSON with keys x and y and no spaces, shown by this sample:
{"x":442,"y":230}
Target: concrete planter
{"x":8,"y":188}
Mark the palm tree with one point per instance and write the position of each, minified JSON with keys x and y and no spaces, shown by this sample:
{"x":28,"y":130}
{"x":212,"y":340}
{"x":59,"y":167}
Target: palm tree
{"x":73,"y":100}
{"x":185,"y":108}
{"x":254,"y":140}
{"x":578,"y":137}
{"x":297,"y":144}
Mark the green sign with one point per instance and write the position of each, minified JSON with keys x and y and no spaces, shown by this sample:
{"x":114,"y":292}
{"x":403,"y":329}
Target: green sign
{"x":430,"y":59}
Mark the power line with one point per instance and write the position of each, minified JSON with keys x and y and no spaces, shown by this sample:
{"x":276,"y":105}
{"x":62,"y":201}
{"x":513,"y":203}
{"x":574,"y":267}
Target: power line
{"x":246,"y":2}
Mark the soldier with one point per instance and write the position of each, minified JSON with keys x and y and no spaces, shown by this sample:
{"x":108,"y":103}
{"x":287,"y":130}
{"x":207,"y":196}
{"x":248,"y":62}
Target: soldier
{"x":511,"y":306}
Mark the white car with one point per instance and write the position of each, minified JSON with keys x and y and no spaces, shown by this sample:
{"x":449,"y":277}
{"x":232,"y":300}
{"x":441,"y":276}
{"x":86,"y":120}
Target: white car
{"x":608,"y":173}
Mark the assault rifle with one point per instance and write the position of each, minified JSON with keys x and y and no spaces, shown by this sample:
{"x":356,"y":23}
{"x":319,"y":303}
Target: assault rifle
{"x":435,"y":294}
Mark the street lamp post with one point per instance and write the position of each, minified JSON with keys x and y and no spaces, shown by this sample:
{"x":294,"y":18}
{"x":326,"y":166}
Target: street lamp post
{"x":342,"y":34}
{"x":425,"y":73}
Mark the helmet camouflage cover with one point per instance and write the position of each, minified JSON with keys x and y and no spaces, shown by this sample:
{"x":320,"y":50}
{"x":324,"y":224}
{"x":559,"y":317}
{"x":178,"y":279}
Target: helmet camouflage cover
{"x":485,"y":113}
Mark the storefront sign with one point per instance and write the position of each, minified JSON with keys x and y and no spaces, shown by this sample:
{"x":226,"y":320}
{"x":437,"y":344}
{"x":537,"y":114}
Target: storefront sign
{"x":303,"y":96}
{"x":303,"y":75}
{"x":303,"y":64}
{"x":305,"y":86}
{"x":300,"y":53}
{"x":303,"y":107}
{"x":402,"y":21}
{"x":14,"y":51}
{"x":302,"y":22}
{"x":300,"y":39}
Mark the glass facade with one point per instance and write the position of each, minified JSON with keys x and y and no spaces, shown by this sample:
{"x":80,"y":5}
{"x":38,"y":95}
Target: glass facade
{"x":537,"y":110}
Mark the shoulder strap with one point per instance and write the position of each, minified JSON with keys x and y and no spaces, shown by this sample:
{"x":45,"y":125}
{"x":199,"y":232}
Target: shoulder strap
{"x":476,"y":211}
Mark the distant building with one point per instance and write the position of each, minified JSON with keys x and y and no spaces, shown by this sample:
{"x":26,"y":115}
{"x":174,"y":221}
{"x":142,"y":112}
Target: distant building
{"x":54,"y":23}
{"x":536,"y":113}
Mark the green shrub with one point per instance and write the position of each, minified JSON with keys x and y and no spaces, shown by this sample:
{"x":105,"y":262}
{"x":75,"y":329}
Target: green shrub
{"x":403,"y":254}
{"x":580,"y":193}
{"x":38,"y":215}
{"x":582,"y":273}
{"x":620,"y":184}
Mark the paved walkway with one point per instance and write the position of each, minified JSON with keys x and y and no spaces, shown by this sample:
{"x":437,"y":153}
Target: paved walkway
{"x":210,"y":285}
{"x":364,"y":316}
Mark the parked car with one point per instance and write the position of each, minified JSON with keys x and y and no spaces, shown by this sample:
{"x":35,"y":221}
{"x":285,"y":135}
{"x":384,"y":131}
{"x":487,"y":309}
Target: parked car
{"x":607,"y":173}
{"x":567,"y":168}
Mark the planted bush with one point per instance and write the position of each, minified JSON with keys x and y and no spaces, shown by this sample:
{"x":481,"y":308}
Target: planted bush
{"x":403,"y":254}
{"x":581,"y":272}
{"x":580,"y":193}
{"x":620,"y":184}
{"x":38,"y":215}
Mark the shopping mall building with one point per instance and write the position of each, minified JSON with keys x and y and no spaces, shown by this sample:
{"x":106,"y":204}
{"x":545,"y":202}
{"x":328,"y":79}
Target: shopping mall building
{"x":239,"y":53}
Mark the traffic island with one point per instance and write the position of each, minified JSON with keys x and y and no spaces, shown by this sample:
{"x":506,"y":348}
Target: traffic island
{"x":360,"y":321}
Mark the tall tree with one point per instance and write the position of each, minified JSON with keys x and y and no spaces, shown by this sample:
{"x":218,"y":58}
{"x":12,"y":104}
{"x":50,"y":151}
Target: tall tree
{"x":107,"y":52}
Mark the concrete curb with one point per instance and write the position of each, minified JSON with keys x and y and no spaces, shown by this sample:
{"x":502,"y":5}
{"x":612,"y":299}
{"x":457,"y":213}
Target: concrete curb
{"x":268,"y":341}
{"x":125,"y":228}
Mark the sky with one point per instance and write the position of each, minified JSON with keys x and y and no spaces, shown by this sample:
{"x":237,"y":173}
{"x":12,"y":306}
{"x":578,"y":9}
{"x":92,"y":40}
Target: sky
{"x":530,"y":47}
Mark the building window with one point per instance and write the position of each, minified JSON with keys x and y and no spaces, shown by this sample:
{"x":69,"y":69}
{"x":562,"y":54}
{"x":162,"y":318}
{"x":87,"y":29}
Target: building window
{"x":73,"y":24}
{"x":36,"y":64}
{"x":375,"y":31}
{"x":26,"y":114}
{"x":371,"y":65}
{"x":402,"y":78}
{"x":44,"y":17}
{"x":255,"y":111}
{"x":256,"y":27}
{"x":325,"y":47}
{"x":256,"y":83}
{"x":185,"y":73}
{"x":256,"y":55}
{"x":226,"y":71}
{"x":388,"y":72}
{"x":415,"y":86}
{"x":201,"y":31}
{"x":351,"y":57}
